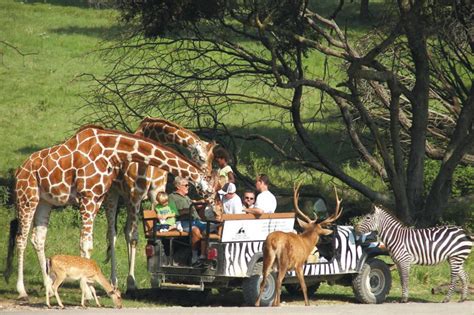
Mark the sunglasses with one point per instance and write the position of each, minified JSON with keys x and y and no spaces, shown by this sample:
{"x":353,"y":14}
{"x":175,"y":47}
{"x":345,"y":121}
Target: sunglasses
{"x":250,"y":198}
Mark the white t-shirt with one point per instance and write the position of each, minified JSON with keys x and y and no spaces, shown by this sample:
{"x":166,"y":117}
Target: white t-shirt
{"x":266,"y":201}
{"x":233,"y":205}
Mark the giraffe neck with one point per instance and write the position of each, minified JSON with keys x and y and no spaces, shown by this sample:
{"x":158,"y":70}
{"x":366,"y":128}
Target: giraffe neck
{"x":167,"y":132}
{"x":132,"y":148}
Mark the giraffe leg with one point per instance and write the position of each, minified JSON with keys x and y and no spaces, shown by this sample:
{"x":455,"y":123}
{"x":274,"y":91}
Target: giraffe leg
{"x":133,"y":240}
{"x":88,"y":211}
{"x":111,"y":203}
{"x":38,"y":239}
{"x":21,"y":241}
{"x":404,"y":272}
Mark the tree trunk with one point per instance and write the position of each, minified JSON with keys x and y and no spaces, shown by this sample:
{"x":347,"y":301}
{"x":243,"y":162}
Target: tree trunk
{"x":415,"y":32}
{"x":364,"y":10}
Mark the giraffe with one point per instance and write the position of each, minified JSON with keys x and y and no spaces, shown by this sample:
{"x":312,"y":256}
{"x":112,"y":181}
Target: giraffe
{"x":81,"y":171}
{"x":137,"y":181}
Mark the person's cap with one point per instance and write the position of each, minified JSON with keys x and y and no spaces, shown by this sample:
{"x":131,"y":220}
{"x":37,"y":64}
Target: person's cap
{"x":227,"y":189}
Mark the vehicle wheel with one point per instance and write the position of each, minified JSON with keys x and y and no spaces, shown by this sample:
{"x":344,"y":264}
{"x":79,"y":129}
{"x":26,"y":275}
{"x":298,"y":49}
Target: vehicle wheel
{"x":251,"y":287}
{"x":154,"y":281}
{"x":295,"y":289}
{"x":373,"y":283}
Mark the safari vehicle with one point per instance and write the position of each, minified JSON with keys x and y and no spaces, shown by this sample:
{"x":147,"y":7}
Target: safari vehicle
{"x":234,"y":259}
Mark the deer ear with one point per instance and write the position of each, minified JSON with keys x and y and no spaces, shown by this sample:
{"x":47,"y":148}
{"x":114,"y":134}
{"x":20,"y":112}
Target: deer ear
{"x":326,"y":232}
{"x":302,"y":223}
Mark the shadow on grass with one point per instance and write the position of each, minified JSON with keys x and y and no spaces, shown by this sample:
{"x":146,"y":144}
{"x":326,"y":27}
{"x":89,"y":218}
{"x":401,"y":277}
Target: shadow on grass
{"x":104,"y":33}
{"x":232,"y":298}
{"x":28,"y":149}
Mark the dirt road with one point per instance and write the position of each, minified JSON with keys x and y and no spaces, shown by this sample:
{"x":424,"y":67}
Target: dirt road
{"x":466,"y":308}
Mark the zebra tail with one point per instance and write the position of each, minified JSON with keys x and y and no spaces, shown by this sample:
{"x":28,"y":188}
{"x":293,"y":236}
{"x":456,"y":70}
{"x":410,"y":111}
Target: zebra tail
{"x":11,"y":249}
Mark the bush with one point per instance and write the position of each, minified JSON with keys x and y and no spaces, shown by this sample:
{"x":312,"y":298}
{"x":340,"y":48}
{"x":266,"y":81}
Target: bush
{"x":4,"y":195}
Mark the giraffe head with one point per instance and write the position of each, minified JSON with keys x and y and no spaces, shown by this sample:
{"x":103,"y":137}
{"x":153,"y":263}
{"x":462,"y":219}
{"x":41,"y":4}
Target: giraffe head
{"x":203,"y":153}
{"x":205,"y":185}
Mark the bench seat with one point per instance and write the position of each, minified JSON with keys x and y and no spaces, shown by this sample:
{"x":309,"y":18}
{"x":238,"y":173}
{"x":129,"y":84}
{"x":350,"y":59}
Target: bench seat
{"x":150,"y":219}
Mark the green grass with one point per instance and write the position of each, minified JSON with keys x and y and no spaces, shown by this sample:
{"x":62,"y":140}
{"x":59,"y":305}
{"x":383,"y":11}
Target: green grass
{"x":63,"y":237}
{"x":40,"y":93}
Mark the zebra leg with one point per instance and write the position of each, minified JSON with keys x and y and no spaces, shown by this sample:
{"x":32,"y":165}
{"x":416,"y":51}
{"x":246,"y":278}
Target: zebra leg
{"x":456,"y":271}
{"x":404,"y":272}
{"x":465,"y":283}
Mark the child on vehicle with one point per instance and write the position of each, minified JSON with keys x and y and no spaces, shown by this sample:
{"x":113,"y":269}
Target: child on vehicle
{"x":225,"y":173}
{"x":166,"y":212}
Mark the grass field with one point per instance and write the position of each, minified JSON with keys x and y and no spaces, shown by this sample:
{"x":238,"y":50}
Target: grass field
{"x":41,"y":104}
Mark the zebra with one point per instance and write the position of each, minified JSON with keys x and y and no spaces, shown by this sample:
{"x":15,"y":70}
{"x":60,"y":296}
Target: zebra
{"x":427,"y":246}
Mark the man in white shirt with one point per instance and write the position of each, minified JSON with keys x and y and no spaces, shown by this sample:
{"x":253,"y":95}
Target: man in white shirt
{"x":230,"y":201}
{"x":266,"y":201}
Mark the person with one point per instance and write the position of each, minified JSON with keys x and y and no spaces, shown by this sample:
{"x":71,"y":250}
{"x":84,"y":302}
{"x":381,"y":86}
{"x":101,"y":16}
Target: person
{"x":166,"y":212}
{"x":225,"y":172}
{"x":249,"y":199}
{"x":266,"y":201}
{"x":183,"y":202}
{"x":230,"y":200}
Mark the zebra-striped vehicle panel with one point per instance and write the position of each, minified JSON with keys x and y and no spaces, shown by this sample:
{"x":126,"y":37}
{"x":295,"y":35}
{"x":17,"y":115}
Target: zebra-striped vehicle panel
{"x":238,"y":256}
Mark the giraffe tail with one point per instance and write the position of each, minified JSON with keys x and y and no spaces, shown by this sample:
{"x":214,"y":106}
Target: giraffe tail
{"x":11,"y":247}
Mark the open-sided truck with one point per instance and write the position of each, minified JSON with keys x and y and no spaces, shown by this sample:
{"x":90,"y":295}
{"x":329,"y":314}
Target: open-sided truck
{"x":234,"y":259}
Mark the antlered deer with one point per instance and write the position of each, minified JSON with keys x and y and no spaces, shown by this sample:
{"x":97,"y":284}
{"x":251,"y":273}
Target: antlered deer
{"x":64,"y":267}
{"x":290,"y":251}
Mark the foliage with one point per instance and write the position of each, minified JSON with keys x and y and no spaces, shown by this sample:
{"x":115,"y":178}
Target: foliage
{"x":4,"y":195}
{"x":279,"y":74}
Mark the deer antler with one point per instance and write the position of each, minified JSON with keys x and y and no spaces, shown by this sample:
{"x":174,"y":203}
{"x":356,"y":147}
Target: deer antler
{"x":296,"y":196}
{"x":337,"y":212}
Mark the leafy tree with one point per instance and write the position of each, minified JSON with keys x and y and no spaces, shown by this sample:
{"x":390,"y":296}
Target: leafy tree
{"x":403,"y":92}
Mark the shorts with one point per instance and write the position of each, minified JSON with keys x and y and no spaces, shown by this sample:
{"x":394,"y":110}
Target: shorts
{"x":200,"y":224}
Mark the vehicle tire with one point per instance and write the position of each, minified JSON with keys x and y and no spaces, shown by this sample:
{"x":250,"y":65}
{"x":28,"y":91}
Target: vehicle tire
{"x":251,"y":287}
{"x":373,"y":283}
{"x":295,"y":289}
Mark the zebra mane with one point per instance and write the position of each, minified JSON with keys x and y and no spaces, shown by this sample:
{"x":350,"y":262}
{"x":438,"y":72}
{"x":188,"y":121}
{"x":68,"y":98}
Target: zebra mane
{"x":389,"y":213}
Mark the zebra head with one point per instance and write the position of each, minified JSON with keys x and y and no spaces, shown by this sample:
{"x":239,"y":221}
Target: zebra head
{"x":369,"y":222}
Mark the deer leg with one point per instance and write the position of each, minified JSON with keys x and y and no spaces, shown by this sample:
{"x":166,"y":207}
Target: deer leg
{"x":282,"y":268}
{"x":111,"y":203}
{"x":300,"y":274}
{"x":91,"y":287}
{"x":56,"y":283}
{"x":269,"y":259}
{"x":38,"y":239}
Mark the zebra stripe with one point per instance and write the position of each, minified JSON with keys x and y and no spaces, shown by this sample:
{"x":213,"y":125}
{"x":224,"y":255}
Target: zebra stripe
{"x":428,"y":246}
{"x":239,"y":254}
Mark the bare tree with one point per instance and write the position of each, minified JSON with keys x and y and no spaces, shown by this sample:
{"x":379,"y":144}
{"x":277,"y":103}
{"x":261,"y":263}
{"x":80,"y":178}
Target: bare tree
{"x":403,"y":93}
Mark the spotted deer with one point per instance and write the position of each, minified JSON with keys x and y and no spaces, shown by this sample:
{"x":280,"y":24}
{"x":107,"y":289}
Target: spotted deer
{"x":287,"y":250}
{"x":64,"y":267}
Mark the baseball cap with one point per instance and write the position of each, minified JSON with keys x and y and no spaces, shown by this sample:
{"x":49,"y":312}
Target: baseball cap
{"x":227,"y":189}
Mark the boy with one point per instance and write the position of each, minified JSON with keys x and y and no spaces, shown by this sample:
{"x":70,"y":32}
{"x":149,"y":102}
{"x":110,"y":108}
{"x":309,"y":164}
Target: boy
{"x":166,"y":212}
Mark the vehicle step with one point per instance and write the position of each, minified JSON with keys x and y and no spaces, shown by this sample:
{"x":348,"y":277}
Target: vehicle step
{"x":181,"y":286}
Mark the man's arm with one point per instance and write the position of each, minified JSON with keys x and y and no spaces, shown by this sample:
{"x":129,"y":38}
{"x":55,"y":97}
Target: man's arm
{"x":256,"y":211}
